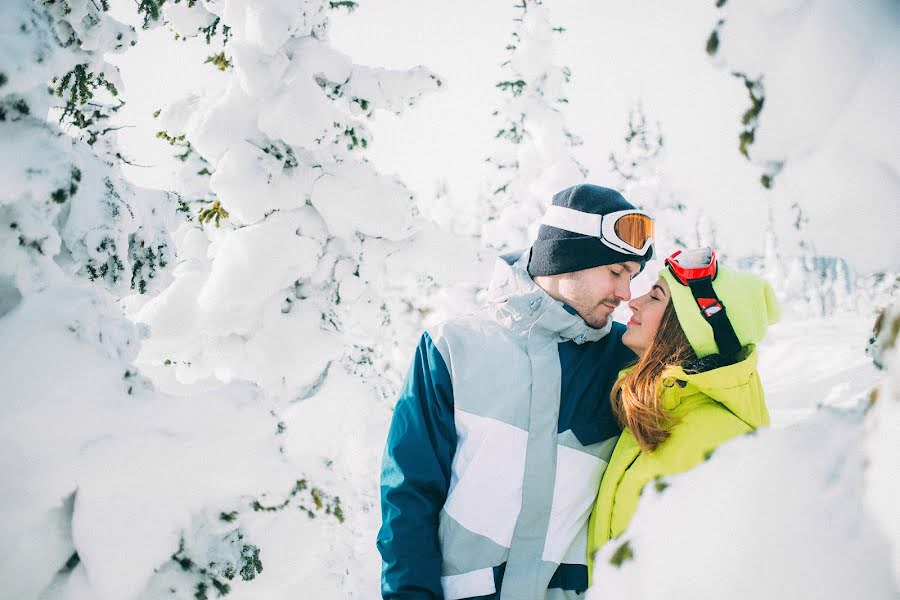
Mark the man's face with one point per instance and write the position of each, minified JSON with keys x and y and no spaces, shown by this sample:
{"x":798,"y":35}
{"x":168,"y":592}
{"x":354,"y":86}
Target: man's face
{"x":595,"y":293}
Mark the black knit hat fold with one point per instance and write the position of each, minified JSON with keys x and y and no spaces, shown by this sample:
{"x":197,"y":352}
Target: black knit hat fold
{"x":558,"y":251}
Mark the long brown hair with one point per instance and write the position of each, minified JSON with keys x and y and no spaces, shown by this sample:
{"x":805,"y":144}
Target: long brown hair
{"x":635,"y":397}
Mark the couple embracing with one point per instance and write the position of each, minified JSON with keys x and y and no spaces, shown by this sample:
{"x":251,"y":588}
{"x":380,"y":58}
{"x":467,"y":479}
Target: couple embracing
{"x":525,"y":432}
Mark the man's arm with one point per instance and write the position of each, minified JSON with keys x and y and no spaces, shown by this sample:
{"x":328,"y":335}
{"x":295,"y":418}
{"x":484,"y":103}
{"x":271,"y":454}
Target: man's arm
{"x":415,"y":477}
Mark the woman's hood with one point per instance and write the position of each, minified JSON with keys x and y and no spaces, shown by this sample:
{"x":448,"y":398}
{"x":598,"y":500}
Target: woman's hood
{"x":736,"y":387}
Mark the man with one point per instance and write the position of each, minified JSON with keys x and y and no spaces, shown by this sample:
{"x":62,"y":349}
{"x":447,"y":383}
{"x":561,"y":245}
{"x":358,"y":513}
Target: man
{"x":504,"y":426}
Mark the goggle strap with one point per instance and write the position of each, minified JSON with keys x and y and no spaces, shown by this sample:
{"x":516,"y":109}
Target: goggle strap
{"x":713,"y":310}
{"x":573,"y":220}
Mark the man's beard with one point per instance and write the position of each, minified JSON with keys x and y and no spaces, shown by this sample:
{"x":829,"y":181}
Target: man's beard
{"x":599,"y":320}
{"x":593,"y":321}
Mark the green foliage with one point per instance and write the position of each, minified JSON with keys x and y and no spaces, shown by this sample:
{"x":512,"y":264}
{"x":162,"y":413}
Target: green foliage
{"x":62,"y":194}
{"x":17,"y":106}
{"x":72,"y":562}
{"x":210,"y":31}
{"x":767,"y":179}
{"x":179,"y":141}
{"x":184,"y":208}
{"x":219,"y":61}
{"x":111,"y":267}
{"x":214,"y":213}
{"x":210,"y":576}
{"x":282,"y":151}
{"x":623,"y":553}
{"x":163,"y":135}
{"x":355,"y":141}
{"x":37,"y":245}
{"x":644,"y":142}
{"x":514,"y":87}
{"x":151,"y":9}
{"x":512,"y":132}
{"x":334,"y":90}
{"x":145,"y":262}
{"x":348,"y":4}
{"x":750,"y":118}
{"x":250,"y":563}
{"x":77,"y":87}
{"x":305,"y":499}
{"x":712,"y":42}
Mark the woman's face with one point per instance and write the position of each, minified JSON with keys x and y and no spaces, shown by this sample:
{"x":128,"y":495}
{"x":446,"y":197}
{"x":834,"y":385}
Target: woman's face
{"x":647,"y":312}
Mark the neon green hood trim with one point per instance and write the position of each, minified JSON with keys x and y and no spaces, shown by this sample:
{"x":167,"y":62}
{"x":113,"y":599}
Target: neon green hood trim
{"x":736,"y":387}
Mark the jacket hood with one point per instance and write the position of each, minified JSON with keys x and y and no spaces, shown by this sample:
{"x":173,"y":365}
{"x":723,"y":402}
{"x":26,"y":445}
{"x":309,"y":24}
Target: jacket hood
{"x":519,"y":303}
{"x":736,"y":387}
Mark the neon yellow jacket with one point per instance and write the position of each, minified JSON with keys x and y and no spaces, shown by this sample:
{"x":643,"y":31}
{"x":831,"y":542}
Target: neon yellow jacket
{"x":711,"y":408}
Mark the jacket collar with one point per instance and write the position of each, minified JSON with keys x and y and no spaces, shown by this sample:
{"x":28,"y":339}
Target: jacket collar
{"x":521,"y":305}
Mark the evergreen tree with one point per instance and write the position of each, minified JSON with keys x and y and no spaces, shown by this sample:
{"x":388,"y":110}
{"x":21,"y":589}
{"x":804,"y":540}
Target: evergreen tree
{"x":534,"y":148}
{"x":111,"y":489}
{"x":638,"y":172}
{"x":303,"y":269}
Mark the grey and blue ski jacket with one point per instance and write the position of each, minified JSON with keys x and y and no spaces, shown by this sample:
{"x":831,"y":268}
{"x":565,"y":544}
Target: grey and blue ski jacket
{"x":496,"y":449}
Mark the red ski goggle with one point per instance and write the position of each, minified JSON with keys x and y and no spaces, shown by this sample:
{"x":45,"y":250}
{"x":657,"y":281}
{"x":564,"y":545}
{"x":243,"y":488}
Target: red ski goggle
{"x":688,"y":265}
{"x":696,"y":269}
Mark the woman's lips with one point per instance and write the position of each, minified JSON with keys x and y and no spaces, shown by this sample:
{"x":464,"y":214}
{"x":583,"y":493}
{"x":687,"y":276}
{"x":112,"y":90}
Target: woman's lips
{"x":633,"y":322}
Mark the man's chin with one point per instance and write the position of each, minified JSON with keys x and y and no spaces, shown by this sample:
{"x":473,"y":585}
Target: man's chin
{"x":598,"y":322}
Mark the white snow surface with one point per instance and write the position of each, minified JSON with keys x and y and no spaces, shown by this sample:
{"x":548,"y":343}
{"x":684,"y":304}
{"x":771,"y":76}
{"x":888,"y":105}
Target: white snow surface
{"x":268,"y":349}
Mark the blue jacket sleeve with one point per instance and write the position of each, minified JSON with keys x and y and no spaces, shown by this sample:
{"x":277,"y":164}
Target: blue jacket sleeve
{"x":415,"y":477}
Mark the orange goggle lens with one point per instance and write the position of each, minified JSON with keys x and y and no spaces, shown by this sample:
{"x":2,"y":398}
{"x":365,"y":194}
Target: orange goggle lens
{"x":634,"y":229}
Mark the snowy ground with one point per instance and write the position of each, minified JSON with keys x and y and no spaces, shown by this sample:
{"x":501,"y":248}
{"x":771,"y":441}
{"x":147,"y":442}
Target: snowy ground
{"x":807,"y":364}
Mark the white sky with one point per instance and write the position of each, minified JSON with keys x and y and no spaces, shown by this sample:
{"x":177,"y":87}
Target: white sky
{"x":621,"y":53}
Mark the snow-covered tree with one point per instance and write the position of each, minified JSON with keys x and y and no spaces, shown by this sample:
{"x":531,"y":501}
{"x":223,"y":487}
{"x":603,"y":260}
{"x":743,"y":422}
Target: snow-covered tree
{"x":637,"y":168}
{"x":302,"y":268}
{"x":112,"y":490}
{"x":533,"y":156}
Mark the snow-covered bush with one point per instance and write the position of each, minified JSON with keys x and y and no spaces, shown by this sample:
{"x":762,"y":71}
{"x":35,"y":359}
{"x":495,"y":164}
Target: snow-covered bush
{"x":533,"y":156}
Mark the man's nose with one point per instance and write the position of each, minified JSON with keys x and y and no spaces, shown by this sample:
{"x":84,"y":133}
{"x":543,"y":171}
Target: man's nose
{"x":623,"y":291}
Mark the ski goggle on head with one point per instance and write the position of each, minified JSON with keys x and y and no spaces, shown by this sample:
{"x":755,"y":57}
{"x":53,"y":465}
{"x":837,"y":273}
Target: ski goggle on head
{"x":628,"y":231}
{"x":696,"y":269}
{"x":687,"y":265}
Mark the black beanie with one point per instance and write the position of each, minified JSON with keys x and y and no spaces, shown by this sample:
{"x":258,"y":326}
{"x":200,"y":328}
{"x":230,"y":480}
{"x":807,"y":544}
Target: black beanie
{"x":558,"y":251}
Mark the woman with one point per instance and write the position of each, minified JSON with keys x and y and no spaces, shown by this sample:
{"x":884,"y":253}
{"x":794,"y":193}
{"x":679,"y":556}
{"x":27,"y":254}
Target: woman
{"x":694,"y":385}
